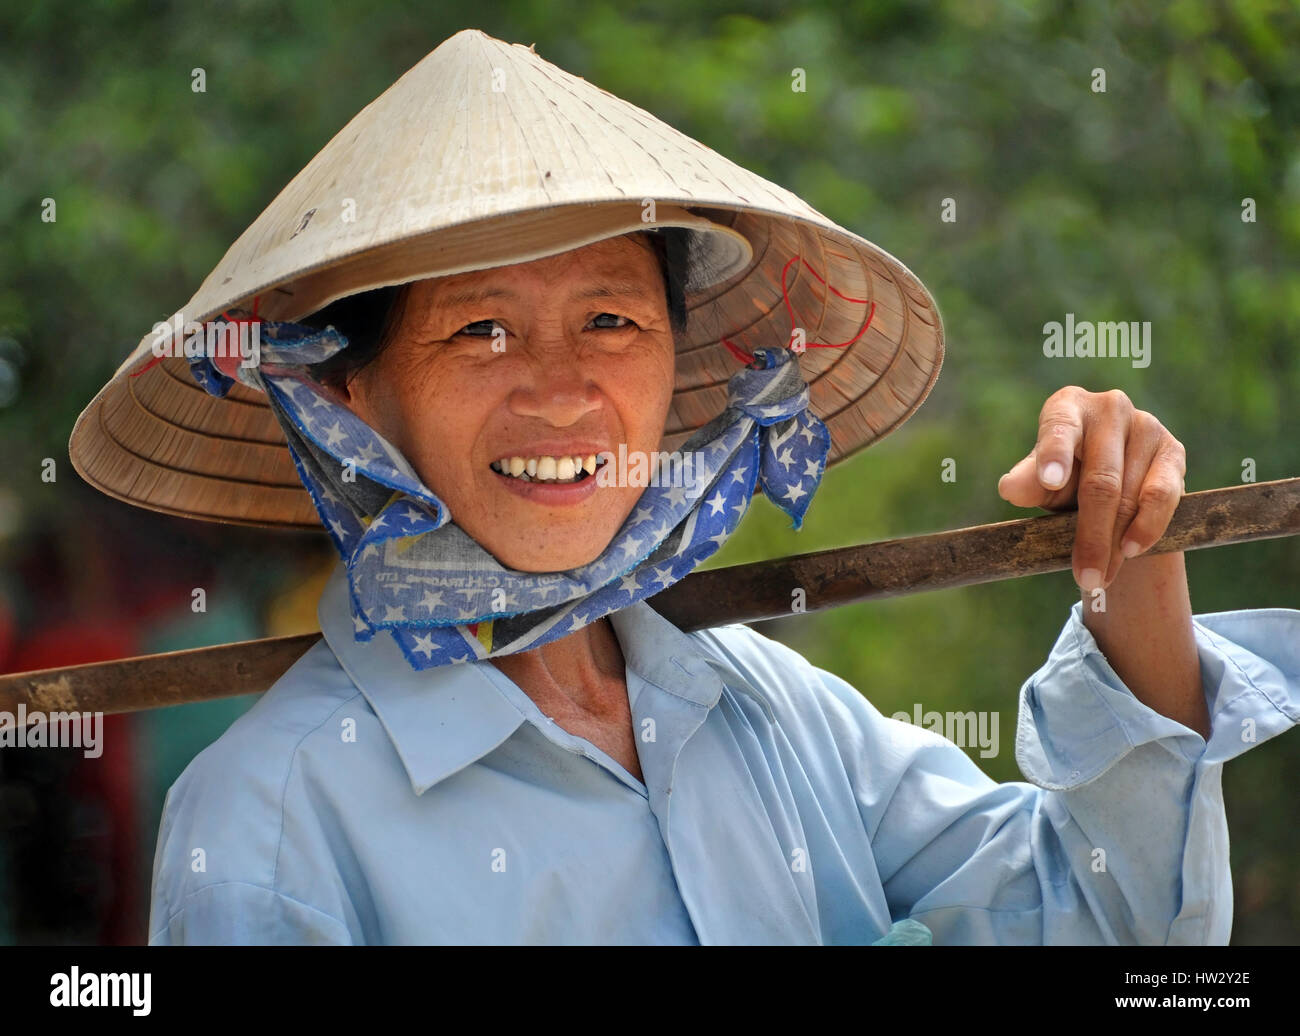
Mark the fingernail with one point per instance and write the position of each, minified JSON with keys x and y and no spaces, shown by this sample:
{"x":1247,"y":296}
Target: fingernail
{"x":1129,"y":549}
{"x":1090,"y":579}
{"x":1053,"y":473}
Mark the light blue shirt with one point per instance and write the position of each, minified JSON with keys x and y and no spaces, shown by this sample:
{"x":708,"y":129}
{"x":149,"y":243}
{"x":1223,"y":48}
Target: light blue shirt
{"x":362,"y":802}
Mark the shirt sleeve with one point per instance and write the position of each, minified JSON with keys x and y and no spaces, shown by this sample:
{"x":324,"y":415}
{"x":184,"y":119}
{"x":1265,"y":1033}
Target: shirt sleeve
{"x":237,"y":914}
{"x":234,"y":864}
{"x":1119,"y":836}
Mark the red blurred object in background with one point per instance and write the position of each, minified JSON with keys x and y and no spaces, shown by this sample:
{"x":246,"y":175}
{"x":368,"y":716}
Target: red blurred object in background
{"x":108,"y":781}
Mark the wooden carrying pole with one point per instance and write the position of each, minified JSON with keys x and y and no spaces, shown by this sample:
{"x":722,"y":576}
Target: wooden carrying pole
{"x":740,"y":593}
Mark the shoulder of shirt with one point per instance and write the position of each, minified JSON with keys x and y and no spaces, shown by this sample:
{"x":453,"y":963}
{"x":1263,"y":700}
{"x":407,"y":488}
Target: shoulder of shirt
{"x":795,"y":690}
{"x":814,"y":707}
{"x":233,"y":793}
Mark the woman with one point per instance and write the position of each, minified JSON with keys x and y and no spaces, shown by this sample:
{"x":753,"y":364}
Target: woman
{"x":499,"y":741}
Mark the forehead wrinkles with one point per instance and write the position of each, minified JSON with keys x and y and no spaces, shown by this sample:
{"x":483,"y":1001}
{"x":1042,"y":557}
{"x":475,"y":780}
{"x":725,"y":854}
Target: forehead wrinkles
{"x":621,"y":266}
{"x":622,"y":262}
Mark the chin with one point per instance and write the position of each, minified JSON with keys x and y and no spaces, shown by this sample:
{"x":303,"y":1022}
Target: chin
{"x":531,"y":558}
{"x":530,"y":562}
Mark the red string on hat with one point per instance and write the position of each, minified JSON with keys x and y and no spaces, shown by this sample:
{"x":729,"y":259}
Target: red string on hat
{"x":747,"y":357}
{"x":229,"y":318}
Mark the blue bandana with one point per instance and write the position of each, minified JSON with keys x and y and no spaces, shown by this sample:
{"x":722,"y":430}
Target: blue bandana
{"x":445,"y":599}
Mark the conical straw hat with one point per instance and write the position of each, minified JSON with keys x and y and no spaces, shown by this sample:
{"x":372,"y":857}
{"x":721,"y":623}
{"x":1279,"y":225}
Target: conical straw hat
{"x":485,"y":154}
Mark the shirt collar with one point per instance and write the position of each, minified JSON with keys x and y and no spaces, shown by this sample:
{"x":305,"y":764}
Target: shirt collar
{"x":442,"y":720}
{"x":439,"y":720}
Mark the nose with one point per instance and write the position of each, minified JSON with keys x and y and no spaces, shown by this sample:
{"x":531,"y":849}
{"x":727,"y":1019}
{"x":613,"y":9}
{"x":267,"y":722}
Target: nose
{"x":554,"y":386}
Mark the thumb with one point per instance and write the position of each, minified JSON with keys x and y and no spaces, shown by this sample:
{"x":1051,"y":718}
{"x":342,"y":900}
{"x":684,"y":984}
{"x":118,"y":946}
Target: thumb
{"x":1021,"y":486}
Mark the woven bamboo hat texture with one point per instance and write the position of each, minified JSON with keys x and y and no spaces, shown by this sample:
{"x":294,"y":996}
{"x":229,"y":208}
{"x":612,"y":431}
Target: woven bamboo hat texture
{"x":482,"y":155}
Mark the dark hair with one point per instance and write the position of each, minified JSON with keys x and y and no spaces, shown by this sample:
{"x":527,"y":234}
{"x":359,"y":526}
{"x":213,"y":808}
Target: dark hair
{"x":368,"y":319}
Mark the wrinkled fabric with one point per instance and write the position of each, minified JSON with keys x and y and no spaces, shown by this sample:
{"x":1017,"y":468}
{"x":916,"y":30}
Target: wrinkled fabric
{"x":360,"y":801}
{"x":437,"y":592}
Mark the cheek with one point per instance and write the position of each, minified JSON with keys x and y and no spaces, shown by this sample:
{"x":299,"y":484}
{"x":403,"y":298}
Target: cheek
{"x":644,"y":383}
{"x":426,"y":411}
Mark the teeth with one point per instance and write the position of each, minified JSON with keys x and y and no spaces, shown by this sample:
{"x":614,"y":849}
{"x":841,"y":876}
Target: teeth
{"x":547,"y":469}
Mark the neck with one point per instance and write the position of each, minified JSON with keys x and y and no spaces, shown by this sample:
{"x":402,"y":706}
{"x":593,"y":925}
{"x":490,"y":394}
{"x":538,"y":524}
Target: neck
{"x":586,"y":668}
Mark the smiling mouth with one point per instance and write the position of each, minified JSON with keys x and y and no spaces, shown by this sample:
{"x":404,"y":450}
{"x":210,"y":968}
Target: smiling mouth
{"x":548,"y":470}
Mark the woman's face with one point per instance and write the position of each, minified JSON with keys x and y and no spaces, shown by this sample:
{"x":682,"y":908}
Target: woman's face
{"x":563,"y":357}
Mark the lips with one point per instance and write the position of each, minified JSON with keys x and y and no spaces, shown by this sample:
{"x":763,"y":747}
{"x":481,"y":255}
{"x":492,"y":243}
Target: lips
{"x":549,"y":493}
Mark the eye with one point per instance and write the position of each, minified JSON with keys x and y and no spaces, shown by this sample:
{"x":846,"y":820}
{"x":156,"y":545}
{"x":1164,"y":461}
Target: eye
{"x":487,"y":325}
{"x":613,"y":327}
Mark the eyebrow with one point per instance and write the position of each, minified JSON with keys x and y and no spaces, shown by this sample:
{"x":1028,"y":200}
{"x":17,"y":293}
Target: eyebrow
{"x":604,"y":290}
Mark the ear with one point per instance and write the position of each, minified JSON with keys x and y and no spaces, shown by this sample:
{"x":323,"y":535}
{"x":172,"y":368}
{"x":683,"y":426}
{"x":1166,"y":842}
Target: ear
{"x":340,"y":392}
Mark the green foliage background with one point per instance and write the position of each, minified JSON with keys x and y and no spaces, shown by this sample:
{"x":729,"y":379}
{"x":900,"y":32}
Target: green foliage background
{"x":1123,"y":205}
